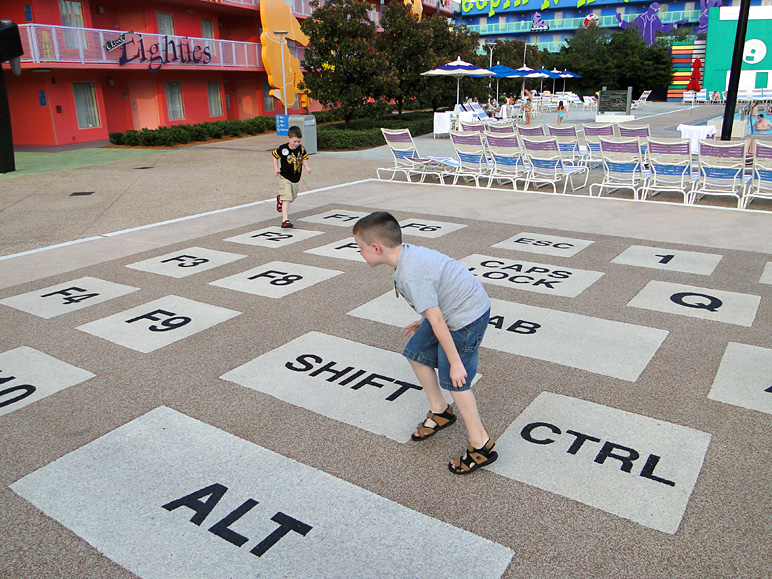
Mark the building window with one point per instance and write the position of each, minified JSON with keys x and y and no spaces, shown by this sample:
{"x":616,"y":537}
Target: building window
{"x":215,"y":102}
{"x":268,"y":102}
{"x":85,"y":104}
{"x":207,"y":31}
{"x":72,"y":16}
{"x":165,"y":23}
{"x":174,"y":101}
{"x":71,"y":13}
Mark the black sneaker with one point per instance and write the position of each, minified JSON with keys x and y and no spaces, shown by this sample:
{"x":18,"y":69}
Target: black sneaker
{"x":287,"y":225}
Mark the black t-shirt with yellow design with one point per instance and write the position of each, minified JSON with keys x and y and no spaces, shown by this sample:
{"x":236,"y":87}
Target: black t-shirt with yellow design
{"x":290,"y":161}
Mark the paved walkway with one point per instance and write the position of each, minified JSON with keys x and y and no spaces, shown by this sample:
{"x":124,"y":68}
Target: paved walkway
{"x":217,"y":397}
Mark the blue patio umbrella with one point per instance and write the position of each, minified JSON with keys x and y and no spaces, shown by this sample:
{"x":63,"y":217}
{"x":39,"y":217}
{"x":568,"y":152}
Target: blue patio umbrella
{"x":457,"y":69}
{"x":568,"y":74}
{"x":550,"y":74}
{"x":527,"y":72}
{"x":500,"y":71}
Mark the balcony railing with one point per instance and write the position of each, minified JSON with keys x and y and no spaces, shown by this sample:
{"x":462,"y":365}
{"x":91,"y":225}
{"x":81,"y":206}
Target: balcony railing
{"x":609,"y":21}
{"x":300,"y":7}
{"x":65,"y":44}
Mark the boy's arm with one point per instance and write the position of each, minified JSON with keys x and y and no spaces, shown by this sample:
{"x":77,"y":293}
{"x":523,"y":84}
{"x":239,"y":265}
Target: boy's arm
{"x":305,"y":164}
{"x":441,"y":331}
{"x":276,"y":165}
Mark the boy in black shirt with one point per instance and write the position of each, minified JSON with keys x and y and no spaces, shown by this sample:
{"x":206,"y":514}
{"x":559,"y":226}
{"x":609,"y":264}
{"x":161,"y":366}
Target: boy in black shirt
{"x":288,"y":163}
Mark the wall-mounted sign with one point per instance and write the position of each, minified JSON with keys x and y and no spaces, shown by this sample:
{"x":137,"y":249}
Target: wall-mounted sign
{"x":111,"y":45}
{"x":175,"y":50}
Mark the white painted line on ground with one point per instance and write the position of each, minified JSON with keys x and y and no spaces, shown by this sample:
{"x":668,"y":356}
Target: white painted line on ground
{"x":596,"y":345}
{"x":669,"y":259}
{"x":544,"y":244}
{"x":169,"y":221}
{"x":360,"y":385}
{"x":67,"y":297}
{"x":159,"y":323}
{"x":626,"y":464}
{"x":274,"y":237}
{"x":744,"y":378}
{"x":343,"y":249}
{"x":276,"y":279}
{"x":185,"y":262}
{"x":28,"y":375}
{"x":698,"y":302}
{"x":535,"y":277}
{"x":169,"y":496}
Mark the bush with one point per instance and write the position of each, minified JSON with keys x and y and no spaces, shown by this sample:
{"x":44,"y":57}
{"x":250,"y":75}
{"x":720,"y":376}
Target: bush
{"x":131,"y":138}
{"x":366,"y":133}
{"x":334,"y":138}
{"x":363,"y":133}
{"x":199,"y":132}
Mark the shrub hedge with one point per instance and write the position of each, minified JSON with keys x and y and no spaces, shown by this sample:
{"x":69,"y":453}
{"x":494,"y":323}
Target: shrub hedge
{"x":362,"y":133}
{"x":366,"y":133}
{"x":183,"y":134}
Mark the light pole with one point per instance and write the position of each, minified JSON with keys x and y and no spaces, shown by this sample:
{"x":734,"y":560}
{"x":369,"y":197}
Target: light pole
{"x":281,"y":34}
{"x":490,"y":46}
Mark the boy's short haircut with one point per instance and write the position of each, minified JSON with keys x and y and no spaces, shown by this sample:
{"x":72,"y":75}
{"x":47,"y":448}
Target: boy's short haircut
{"x":380,"y":226}
{"x":294,"y":131}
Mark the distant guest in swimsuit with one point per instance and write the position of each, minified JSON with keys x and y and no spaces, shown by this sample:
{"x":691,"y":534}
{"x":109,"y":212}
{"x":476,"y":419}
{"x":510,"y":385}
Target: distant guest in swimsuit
{"x":561,"y":112}
{"x":762,"y":124}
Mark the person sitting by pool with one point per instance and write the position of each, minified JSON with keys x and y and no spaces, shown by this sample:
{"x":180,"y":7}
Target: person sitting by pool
{"x":762,"y":124}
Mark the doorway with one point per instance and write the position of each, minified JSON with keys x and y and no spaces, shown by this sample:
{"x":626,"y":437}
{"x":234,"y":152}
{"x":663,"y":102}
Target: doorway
{"x":144,"y":104}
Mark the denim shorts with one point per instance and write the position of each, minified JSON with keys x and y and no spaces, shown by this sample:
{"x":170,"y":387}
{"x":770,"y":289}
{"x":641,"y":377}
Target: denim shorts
{"x":424,"y":348}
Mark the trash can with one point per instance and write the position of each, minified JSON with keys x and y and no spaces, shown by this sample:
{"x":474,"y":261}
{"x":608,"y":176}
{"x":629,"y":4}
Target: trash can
{"x":307,"y":124}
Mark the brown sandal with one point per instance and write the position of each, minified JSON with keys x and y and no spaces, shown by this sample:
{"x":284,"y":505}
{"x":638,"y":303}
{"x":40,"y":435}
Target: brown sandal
{"x":442,"y":420}
{"x":474,"y":458}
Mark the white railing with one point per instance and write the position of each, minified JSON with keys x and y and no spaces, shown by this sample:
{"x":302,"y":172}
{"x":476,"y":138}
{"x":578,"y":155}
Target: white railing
{"x":51,"y":44}
{"x":447,"y":6}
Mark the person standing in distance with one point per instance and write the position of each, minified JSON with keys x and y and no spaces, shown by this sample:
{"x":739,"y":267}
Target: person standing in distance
{"x":288,"y":162}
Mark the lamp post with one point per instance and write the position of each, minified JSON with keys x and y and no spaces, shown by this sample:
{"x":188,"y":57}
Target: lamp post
{"x":490,"y":46}
{"x":281,"y":34}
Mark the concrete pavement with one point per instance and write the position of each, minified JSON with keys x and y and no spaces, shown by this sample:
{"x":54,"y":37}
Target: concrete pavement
{"x":216,"y":397}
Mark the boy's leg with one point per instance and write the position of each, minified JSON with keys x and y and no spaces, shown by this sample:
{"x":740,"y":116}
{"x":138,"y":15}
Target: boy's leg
{"x":427,"y":378}
{"x":467,"y":407}
{"x":285,"y":210}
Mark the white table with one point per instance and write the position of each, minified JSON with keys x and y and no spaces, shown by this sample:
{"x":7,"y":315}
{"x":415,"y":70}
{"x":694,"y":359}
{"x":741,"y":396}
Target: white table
{"x":694,"y":133}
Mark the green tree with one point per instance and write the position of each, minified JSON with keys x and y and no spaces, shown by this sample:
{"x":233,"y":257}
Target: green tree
{"x":587,"y":54}
{"x":404,"y":42}
{"x":448,"y":42}
{"x":638,"y":65}
{"x":343,"y":68}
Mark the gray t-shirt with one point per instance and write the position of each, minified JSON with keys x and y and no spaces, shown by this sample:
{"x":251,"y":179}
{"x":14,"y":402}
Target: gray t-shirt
{"x":428,"y":278}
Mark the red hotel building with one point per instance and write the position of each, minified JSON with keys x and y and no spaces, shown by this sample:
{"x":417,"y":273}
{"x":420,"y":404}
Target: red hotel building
{"x":92,"y":67}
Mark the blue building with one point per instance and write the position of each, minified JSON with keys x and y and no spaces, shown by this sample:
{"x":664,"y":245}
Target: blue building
{"x":548,"y":23}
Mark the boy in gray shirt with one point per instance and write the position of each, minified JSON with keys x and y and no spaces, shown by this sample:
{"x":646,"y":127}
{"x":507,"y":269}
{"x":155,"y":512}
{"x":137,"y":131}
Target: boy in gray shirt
{"x":455,"y":310}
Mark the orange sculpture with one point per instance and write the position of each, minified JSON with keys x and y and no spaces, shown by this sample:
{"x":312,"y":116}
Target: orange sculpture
{"x":416,"y":7}
{"x":276,"y":15}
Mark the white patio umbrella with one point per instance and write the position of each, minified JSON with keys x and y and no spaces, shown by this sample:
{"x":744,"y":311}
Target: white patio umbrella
{"x":458,"y":68}
{"x":527,"y":72}
{"x":568,"y":74}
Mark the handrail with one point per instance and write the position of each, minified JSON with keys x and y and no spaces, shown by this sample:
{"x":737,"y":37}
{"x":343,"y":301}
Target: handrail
{"x":608,"y":21}
{"x":47,"y":43}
